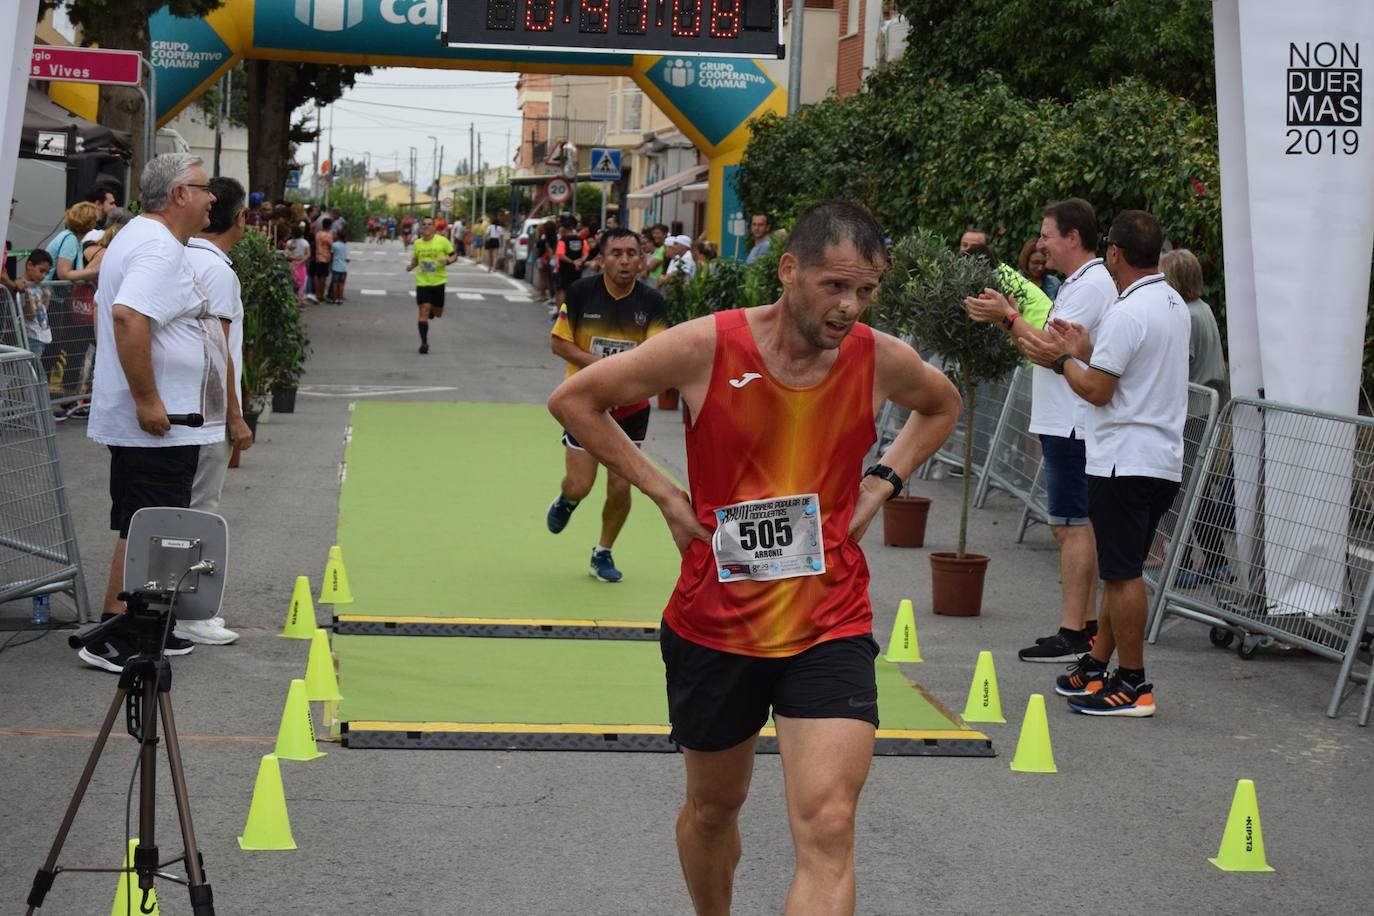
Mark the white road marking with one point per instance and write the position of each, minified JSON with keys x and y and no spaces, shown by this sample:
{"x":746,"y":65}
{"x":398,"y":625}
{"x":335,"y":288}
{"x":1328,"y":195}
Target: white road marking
{"x":373,"y":292}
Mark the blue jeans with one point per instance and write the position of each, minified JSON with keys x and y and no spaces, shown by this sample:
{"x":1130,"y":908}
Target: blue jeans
{"x":1066,"y":478}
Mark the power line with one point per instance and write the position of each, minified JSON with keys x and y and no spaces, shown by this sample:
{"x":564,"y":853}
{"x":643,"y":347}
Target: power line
{"x":468,"y":114}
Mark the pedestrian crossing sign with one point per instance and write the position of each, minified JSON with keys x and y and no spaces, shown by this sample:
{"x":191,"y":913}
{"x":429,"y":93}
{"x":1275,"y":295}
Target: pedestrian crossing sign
{"x":605,"y":164}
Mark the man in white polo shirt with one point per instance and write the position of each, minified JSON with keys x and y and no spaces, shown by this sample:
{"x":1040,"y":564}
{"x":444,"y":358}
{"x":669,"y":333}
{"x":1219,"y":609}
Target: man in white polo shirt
{"x":1068,"y":237}
{"x":1137,"y":379}
{"x":208,"y":255}
{"x":161,"y":352}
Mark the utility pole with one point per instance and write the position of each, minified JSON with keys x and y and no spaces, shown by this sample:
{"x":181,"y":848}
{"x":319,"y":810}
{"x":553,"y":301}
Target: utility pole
{"x":329,"y":179}
{"x":412,"y":181}
{"x":794,"y":66}
{"x":367,"y":174}
{"x":472,"y":185}
{"x":434,"y":186}
{"x":481,"y":175}
{"x":439,"y":178}
{"x":219,"y":120}
{"x":315,"y":180}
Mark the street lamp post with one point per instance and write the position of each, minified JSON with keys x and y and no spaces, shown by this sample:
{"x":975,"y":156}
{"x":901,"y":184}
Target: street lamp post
{"x":434,"y":188}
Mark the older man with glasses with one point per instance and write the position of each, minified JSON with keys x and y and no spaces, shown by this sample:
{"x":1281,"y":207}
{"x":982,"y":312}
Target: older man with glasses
{"x":161,"y":351}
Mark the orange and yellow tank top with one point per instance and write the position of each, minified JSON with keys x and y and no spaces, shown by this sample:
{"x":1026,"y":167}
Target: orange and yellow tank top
{"x":755,"y":438}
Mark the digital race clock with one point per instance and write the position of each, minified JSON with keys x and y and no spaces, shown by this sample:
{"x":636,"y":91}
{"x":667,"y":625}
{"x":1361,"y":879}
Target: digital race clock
{"x":718,"y":28}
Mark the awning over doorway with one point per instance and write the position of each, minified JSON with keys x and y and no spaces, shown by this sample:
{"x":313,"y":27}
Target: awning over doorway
{"x":645,"y":196}
{"x":52,"y":132}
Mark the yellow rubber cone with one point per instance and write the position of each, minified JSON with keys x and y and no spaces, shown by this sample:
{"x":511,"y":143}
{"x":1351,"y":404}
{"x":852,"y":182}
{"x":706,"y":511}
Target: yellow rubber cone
{"x":903,"y":646}
{"x":268,"y":828}
{"x":334,"y":589}
{"x":984,"y":702}
{"x":1242,"y":844}
{"x":1033,"y":751}
{"x":128,"y":898}
{"x":300,"y":616}
{"x":320,"y":683}
{"x":296,"y":733}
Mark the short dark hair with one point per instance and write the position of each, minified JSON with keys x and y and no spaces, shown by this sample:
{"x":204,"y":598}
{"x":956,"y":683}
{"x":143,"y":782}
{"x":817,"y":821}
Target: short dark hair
{"x":1074,"y":213}
{"x":982,"y":251}
{"x":983,"y":232}
{"x":40,"y":256}
{"x":620,"y":232}
{"x":1139,"y":237}
{"x":767,"y":220}
{"x":832,"y":222}
{"x":327,"y":222}
{"x":229,"y":202}
{"x":96,"y":193}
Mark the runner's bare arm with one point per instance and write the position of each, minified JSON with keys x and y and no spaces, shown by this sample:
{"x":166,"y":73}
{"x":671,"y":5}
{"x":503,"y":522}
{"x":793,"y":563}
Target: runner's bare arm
{"x":680,"y":358}
{"x":414,"y":263}
{"x":901,"y":376}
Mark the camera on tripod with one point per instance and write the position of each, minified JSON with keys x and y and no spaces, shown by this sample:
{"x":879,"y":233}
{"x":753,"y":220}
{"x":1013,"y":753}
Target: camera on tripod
{"x":174,"y":567}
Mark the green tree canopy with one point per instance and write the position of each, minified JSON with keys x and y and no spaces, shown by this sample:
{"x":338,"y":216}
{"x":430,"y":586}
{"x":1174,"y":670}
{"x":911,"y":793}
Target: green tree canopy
{"x":1060,"y":50}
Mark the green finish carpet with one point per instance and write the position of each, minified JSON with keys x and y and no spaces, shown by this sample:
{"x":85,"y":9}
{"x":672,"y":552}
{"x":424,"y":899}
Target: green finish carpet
{"x":441,"y":514}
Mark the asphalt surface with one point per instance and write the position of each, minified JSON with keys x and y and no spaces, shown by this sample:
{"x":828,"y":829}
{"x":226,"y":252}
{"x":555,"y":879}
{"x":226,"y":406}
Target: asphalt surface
{"x":1125,"y":826}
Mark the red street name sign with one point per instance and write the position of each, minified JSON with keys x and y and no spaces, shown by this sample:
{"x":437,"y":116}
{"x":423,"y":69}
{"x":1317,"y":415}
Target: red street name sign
{"x":86,"y":65}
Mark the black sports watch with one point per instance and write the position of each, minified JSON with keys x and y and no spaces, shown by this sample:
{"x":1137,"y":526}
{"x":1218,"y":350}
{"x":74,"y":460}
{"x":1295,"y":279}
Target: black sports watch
{"x":886,"y":473}
{"x":1058,"y":364}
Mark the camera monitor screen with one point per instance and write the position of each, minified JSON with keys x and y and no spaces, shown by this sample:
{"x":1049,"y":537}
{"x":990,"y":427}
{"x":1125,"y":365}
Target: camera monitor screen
{"x":714,"y":28}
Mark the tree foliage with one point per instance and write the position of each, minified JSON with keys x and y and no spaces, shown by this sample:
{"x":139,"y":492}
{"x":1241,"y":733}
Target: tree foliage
{"x":926,"y":154}
{"x":275,"y":90}
{"x":1064,"y":49}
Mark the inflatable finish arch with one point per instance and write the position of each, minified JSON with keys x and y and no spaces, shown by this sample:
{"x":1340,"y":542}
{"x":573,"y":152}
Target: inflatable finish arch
{"x":190,"y":55}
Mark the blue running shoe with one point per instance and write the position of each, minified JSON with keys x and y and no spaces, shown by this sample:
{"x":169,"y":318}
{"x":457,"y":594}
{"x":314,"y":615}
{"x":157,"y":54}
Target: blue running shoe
{"x":603,"y":567}
{"x":559,"y":513}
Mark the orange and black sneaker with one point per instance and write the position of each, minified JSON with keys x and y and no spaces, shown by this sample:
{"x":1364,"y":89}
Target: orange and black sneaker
{"x":1117,"y":698}
{"x":1086,"y":675}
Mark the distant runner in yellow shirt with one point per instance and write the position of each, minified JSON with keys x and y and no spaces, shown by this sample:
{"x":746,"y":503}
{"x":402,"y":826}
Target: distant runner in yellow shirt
{"x":432,"y":254}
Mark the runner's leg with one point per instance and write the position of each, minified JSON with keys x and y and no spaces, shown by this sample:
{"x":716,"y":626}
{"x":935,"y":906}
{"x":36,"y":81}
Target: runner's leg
{"x":424,"y":324}
{"x":824,"y":763}
{"x":708,"y":842}
{"x":580,"y":475}
{"x":616,"y":510}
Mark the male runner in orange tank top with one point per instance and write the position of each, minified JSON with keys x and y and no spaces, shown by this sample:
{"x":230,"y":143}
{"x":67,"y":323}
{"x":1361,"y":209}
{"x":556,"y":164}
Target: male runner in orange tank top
{"x":771,"y":611}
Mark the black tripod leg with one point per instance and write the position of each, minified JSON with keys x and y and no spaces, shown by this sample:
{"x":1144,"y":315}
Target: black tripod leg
{"x":42,"y":882}
{"x":146,"y":852}
{"x":202,"y":899}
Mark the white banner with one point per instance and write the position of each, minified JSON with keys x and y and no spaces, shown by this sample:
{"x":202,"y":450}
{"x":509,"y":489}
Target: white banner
{"x":16,"y":53}
{"x":1298,"y":217}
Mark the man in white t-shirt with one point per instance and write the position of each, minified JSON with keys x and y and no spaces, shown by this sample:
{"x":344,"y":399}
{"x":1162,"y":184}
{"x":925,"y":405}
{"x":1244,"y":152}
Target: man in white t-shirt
{"x":161,"y":352}
{"x":1136,"y":378}
{"x":104,"y":198}
{"x":208,"y":254}
{"x":1068,"y":237}
{"x":677,"y":250}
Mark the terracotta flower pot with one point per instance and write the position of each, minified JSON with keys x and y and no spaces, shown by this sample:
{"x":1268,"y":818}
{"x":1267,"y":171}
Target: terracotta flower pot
{"x":904,"y":521}
{"x":956,"y":586}
{"x":668,"y":400}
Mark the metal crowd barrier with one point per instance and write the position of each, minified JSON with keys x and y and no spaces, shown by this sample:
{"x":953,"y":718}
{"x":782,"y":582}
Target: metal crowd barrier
{"x":69,"y":361}
{"x":11,"y":322}
{"x":1203,"y":403}
{"x":1014,"y":453}
{"x":1285,"y":496}
{"x":38,"y":550}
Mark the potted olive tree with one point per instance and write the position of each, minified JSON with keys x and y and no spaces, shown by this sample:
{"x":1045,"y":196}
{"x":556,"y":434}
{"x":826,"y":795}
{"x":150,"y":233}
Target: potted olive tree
{"x":922,"y":297}
{"x":269,"y":311}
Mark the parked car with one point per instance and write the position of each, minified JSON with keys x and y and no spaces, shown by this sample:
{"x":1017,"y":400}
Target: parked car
{"x":518,"y":248}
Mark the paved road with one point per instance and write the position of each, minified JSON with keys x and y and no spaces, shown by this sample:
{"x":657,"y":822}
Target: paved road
{"x":1126,"y":826}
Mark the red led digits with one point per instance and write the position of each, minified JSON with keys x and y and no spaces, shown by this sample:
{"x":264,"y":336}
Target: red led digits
{"x":595,"y":16}
{"x":634,"y":17}
{"x":501,"y":15}
{"x":539,"y":15}
{"x":686,"y":18}
{"x":725,"y":16}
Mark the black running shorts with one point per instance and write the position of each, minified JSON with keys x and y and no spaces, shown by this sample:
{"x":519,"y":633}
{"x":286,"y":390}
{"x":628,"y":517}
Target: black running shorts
{"x":1125,"y":513}
{"x":149,"y":477}
{"x":433,"y":295}
{"x":636,"y":426}
{"x":718,"y":699}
